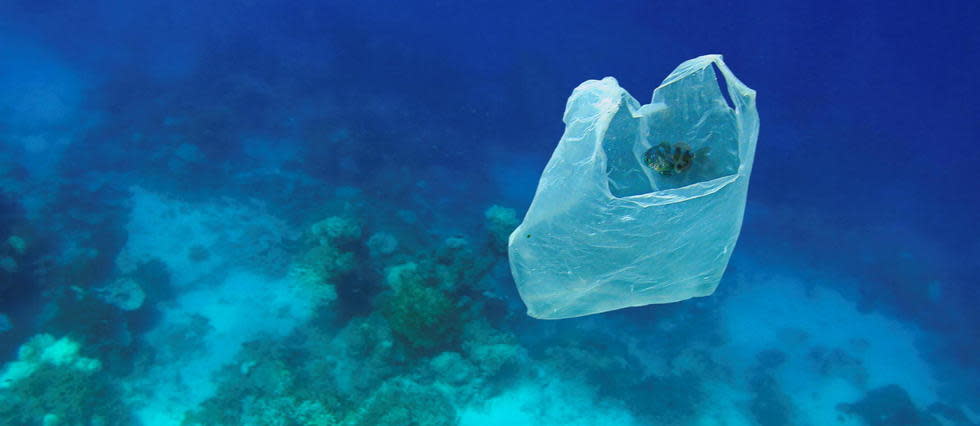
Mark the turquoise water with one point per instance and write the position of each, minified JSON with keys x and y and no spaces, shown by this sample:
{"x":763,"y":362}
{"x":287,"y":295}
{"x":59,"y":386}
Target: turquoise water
{"x":248,"y":213}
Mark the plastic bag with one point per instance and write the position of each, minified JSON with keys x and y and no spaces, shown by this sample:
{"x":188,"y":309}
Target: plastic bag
{"x":639,"y":204}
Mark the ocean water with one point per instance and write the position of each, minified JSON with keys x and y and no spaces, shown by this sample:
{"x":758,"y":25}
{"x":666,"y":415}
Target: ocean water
{"x":267,"y":213}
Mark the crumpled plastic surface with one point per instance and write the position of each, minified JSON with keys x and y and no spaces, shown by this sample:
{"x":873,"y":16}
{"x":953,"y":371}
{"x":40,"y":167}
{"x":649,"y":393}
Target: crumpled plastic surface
{"x":605,"y":229}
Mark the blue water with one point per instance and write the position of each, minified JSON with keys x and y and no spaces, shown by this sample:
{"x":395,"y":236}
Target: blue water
{"x":269,"y":214}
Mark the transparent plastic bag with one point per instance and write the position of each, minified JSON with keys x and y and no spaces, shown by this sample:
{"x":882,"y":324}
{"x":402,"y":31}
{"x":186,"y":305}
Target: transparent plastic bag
{"x":639,"y":204}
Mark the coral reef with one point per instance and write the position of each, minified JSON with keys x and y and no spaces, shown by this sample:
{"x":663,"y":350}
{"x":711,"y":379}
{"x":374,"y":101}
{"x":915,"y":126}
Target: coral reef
{"x":495,"y":353}
{"x":14,"y":248}
{"x":18,"y":245}
{"x":381,"y":244}
{"x":424,"y":317}
{"x":401,"y":401}
{"x":8,"y":264}
{"x":123,"y":293}
{"x":322,"y":265}
{"x":356,"y":360}
{"x":260,"y":389}
{"x":332,"y":243}
{"x":422,"y":350}
{"x":44,"y":350}
{"x":52,"y":383}
{"x":425,"y":304}
{"x":336,"y":230}
{"x":60,"y":394}
{"x":501,"y":221}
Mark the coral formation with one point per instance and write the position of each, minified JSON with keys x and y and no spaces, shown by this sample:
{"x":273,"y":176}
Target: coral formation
{"x":261,"y":389}
{"x":322,"y":264}
{"x":492,"y":351}
{"x":18,"y":244}
{"x":422,"y":316}
{"x":422,"y":350}
{"x":331,"y":254}
{"x":51,"y":382}
{"x":44,"y":350}
{"x":452,"y":369}
{"x":400,"y":401}
{"x":5,"y":323}
{"x":381,"y":244}
{"x":336,"y":230}
{"x":501,"y":221}
{"x":888,"y":405}
{"x":124,"y":293}
{"x":61,"y":394}
{"x":13,"y":248}
{"x":361,"y":356}
{"x":8,"y":264}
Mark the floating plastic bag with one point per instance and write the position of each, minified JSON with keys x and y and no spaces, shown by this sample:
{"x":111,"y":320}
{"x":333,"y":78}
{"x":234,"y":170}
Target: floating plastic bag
{"x":639,"y":204}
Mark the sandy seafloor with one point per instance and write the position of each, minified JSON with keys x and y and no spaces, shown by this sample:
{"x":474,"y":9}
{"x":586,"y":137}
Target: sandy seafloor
{"x":244,"y":234}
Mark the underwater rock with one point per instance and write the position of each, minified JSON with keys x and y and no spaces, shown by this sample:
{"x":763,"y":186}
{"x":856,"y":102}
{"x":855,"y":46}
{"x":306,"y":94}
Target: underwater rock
{"x":124,"y":293}
{"x":888,"y":405}
{"x":381,"y":244}
{"x":358,"y":358}
{"x":8,"y":264}
{"x":186,"y":155}
{"x":491,"y":350}
{"x":336,"y":230}
{"x":407,"y":216}
{"x":18,"y":244}
{"x":262,"y":389}
{"x":5,"y":324}
{"x":838,"y":363}
{"x":405,"y":272}
{"x":322,"y":264}
{"x":495,"y":358}
{"x":500,"y":222}
{"x":455,"y":243}
{"x":50,"y":419}
{"x":198,"y":253}
{"x":453,"y":267}
{"x":451,"y":368}
{"x":770,"y":359}
{"x":771,"y":406}
{"x":332,"y":255}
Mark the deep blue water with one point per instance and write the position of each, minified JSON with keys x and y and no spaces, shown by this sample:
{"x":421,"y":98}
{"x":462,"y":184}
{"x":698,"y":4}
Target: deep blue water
{"x":258,"y":213}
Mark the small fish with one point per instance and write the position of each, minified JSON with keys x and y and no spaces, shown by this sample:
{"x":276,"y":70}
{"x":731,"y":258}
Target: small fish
{"x":669,"y":160}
